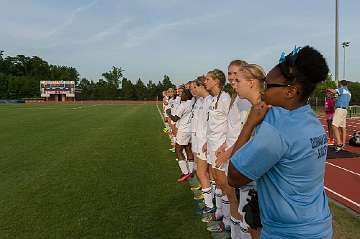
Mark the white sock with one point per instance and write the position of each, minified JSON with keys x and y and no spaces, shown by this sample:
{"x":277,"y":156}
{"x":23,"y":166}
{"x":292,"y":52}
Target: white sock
{"x":184,"y":153}
{"x":213,"y":185}
{"x":235,"y":228}
{"x":244,"y":231}
{"x":183,"y":167}
{"x":226,"y":210}
{"x":218,"y":201}
{"x":208,"y":196}
{"x":191,"y":165}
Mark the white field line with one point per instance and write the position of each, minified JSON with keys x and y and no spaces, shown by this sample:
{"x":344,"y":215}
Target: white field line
{"x":161,"y":116}
{"x":343,"y":197}
{"x":347,"y":170}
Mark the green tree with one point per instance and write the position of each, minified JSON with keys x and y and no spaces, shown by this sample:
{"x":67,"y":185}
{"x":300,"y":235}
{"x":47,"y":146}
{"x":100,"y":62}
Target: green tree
{"x":354,"y":88}
{"x":320,"y":90}
{"x":151,"y":92}
{"x":127,"y":90}
{"x":166,"y":82}
{"x":140,"y":90}
{"x":113,"y":76}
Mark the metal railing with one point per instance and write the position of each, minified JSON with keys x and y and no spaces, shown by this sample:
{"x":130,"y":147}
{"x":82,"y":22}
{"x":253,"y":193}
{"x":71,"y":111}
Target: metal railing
{"x":318,"y":105}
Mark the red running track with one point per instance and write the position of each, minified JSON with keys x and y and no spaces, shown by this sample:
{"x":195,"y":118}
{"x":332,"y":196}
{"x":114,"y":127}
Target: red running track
{"x":342,"y":176}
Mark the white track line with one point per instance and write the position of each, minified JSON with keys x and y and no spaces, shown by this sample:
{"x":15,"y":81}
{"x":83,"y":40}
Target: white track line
{"x":347,"y":170}
{"x":343,"y":197}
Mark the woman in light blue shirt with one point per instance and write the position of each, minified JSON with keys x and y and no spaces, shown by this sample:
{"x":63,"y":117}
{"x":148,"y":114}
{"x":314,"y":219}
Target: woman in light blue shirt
{"x":286,"y":156}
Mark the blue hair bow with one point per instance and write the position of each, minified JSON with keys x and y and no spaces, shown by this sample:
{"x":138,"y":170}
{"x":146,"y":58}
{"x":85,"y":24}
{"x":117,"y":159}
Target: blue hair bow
{"x":287,"y":62}
{"x":293,"y":53}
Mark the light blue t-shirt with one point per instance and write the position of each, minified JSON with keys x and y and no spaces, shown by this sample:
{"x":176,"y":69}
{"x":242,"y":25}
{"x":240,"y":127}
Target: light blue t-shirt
{"x":344,"y":97}
{"x":287,"y":157}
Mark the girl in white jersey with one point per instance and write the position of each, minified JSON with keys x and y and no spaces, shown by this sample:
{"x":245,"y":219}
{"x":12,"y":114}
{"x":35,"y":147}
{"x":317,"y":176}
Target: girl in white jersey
{"x":248,"y":85}
{"x":165,"y":105}
{"x":199,"y":124}
{"x":171,"y":106}
{"x":183,"y":136}
{"x":238,"y":112}
{"x":216,"y":136}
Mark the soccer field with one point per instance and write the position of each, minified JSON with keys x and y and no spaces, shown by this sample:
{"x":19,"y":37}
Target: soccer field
{"x":98,"y":171}
{"x":90,"y":171}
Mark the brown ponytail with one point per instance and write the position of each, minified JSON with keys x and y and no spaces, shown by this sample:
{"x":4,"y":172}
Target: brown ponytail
{"x":220,"y":77}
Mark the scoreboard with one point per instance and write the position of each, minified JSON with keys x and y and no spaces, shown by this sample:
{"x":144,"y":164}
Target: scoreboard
{"x":48,"y":88}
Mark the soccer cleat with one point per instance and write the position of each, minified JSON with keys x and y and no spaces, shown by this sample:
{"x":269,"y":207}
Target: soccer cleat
{"x":330,"y":142}
{"x":198,"y":197}
{"x":217,"y":227}
{"x":339,"y":147}
{"x":201,"y":205}
{"x":195,"y":188}
{"x":183,"y":178}
{"x":207,"y":210}
{"x":210,"y":218}
{"x":199,"y":208}
{"x":172,"y":150}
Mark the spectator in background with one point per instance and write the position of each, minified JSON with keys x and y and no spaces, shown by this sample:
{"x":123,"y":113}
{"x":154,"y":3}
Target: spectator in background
{"x":339,"y":121}
{"x":329,"y":112}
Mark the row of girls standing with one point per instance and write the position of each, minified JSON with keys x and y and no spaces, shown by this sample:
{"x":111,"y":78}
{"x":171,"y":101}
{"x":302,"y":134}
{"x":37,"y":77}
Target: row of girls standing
{"x":260,"y":151}
{"x":217,"y":121}
{"x":178,"y":116}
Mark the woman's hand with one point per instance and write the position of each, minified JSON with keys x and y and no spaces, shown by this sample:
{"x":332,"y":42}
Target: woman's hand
{"x":204,"y":148}
{"x":220,"y":149}
{"x":257,"y":113}
{"x":222,"y":157}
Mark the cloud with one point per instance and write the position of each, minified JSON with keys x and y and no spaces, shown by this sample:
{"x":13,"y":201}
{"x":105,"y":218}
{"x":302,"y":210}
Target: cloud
{"x":71,"y":19}
{"x":139,"y":36}
{"x":115,"y":29}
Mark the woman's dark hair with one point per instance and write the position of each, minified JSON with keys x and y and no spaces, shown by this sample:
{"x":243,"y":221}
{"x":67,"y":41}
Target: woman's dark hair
{"x":187,"y":94}
{"x":307,"y":67}
{"x":200,"y":81}
{"x":343,"y":83}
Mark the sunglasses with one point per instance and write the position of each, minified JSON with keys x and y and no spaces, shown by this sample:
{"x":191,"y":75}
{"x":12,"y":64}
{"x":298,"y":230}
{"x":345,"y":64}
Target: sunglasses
{"x":268,"y":86}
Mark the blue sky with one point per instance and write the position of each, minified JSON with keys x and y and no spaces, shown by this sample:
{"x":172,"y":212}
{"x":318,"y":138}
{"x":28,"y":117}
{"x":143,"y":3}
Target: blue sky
{"x":180,"y":38}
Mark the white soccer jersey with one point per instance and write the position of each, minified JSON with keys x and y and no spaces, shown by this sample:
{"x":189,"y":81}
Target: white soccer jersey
{"x":183,"y":111}
{"x":217,"y":121}
{"x":203,"y":114}
{"x":171,"y":105}
{"x":166,"y":103}
{"x":237,"y":117}
{"x":195,"y":105}
{"x":177,"y":102}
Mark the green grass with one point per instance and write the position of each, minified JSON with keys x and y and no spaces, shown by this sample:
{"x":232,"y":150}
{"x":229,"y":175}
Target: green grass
{"x":346,"y":225}
{"x":70,"y":171}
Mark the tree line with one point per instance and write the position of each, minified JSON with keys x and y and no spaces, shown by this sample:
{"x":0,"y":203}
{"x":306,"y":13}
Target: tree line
{"x":114,"y":85}
{"x":20,"y":78}
{"x":20,"y":75}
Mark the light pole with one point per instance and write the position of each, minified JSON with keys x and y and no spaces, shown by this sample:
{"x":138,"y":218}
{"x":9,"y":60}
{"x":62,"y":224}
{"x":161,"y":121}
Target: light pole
{"x":344,"y":45}
{"x":337,"y":42}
